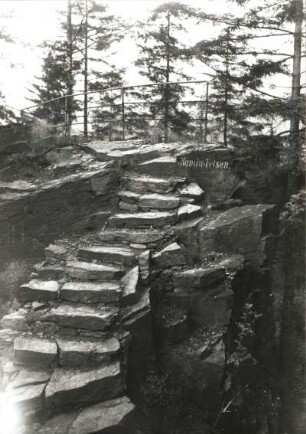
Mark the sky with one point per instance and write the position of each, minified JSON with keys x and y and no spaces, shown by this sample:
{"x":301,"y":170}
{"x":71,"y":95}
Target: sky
{"x":30,"y":22}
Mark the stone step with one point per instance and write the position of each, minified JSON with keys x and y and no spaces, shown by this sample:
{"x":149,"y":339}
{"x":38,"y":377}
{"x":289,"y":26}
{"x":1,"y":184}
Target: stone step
{"x":78,"y":387}
{"x":107,"y":254}
{"x":143,"y":184}
{"x":192,"y":191}
{"x":129,"y":284}
{"x":188,"y":212}
{"x":90,"y":271}
{"x":108,"y":292}
{"x":49,"y":272}
{"x":81,"y":317}
{"x":110,"y":416}
{"x":131,"y":236}
{"x":170,"y":256}
{"x":33,"y":351}
{"x":105,"y":417}
{"x":158,"y":202}
{"x":40,"y":290}
{"x":166,"y":165}
{"x":80,"y":353}
{"x":128,"y":196}
{"x":142,"y":220}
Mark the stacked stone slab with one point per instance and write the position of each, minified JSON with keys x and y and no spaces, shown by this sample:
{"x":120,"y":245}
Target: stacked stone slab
{"x":82,"y":327}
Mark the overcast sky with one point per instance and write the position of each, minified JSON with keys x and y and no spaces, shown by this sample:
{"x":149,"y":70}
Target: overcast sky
{"x":30,"y":22}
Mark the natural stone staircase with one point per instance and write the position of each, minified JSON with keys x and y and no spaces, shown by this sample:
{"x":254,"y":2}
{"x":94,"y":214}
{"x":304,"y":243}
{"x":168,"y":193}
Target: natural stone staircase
{"x":67,"y":344}
{"x":81,"y":329}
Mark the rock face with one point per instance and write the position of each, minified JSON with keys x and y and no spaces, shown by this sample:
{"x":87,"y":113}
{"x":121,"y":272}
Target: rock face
{"x":198,"y":278}
{"x":239,"y":230}
{"x":31,"y":219}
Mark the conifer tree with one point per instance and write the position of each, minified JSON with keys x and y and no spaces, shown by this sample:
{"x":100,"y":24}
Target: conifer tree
{"x":162,"y":53}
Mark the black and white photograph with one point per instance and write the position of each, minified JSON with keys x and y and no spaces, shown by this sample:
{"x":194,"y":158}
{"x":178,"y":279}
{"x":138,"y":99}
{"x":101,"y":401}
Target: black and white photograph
{"x":152,"y":217}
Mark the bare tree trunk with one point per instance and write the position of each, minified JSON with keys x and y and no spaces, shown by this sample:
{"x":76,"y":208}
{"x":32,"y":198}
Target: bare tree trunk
{"x":296,"y":97}
{"x":86,"y":72}
{"x":166,"y":114}
{"x":226,"y":91}
{"x":70,"y":66}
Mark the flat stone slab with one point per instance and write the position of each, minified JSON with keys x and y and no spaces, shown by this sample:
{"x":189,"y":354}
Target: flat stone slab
{"x":126,"y":206}
{"x":189,"y":211}
{"x":102,"y":417}
{"x":107,"y":254}
{"x":91,"y":271}
{"x":166,"y":165}
{"x":32,"y":351}
{"x":18,"y":185}
{"x":49,"y":272}
{"x":77,"y":353}
{"x":158,"y":201}
{"x":129,"y":284}
{"x":128,"y":196}
{"x":27,"y":377}
{"x":90,"y":292}
{"x":81,"y":317}
{"x":54,"y":253}
{"x":143,"y":184}
{"x":39,"y":290}
{"x":198,"y":278}
{"x":142,"y":219}
{"x":15,"y":320}
{"x":82,"y":387}
{"x":170,"y":256}
{"x":131,"y":236}
{"x":193,"y":191}
{"x":29,"y":397}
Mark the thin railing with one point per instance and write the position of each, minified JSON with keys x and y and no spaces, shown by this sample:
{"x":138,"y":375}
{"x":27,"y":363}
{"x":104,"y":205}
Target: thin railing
{"x":114,"y":105}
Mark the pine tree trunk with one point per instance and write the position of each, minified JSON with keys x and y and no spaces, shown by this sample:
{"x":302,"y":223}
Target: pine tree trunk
{"x":86,"y":72}
{"x":70,"y":67}
{"x":296,"y":98}
{"x":166,"y":114}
